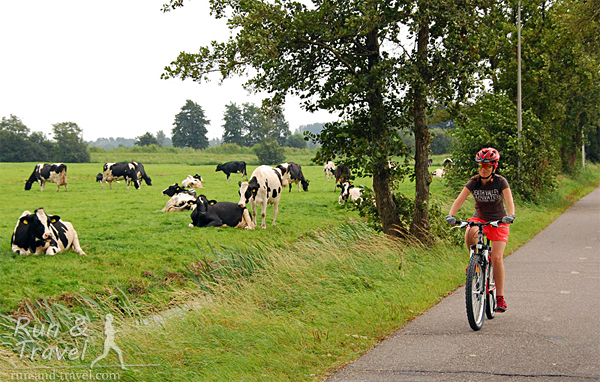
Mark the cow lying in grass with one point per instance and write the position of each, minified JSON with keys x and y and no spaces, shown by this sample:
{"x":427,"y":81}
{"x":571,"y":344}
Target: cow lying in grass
{"x":193,"y":181}
{"x":39,"y":233}
{"x":180,"y":198}
{"x":210,"y":213}
{"x":349,"y":192}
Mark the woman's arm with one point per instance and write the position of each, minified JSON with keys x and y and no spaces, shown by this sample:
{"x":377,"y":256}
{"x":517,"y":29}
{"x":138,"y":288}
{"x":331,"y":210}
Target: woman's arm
{"x":508,"y":199}
{"x":464,"y":194}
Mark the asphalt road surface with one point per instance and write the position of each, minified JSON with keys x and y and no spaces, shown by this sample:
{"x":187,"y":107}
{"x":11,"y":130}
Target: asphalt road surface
{"x":550,"y":332}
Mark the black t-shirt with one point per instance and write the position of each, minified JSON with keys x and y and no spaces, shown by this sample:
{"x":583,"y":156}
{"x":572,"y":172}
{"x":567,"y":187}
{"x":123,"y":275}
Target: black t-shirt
{"x":489,"y":201}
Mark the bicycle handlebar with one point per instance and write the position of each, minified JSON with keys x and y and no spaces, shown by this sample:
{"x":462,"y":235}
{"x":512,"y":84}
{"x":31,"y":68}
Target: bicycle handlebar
{"x":466,"y":223}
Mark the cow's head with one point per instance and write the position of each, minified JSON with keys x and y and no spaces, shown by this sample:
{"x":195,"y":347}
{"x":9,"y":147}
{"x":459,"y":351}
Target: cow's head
{"x":248,"y":190}
{"x":172,"y":190}
{"x":202,"y":204}
{"x":304,"y":184}
{"x":346,"y":186}
{"x":219,"y":167}
{"x":38,"y":226}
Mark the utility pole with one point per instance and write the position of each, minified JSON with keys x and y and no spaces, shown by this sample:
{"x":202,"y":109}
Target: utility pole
{"x":519,"y":94}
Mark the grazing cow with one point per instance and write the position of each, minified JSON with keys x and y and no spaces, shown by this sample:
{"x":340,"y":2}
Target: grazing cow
{"x":349,"y":192}
{"x":210,"y":213}
{"x":342,"y":174}
{"x":236,"y":167}
{"x":263,"y":188}
{"x":329,"y":170}
{"x":44,"y":172}
{"x":292,"y":173}
{"x":141,"y":174}
{"x":180,"y":198}
{"x":39,"y":233}
{"x":118,"y":171}
{"x":193,"y":181}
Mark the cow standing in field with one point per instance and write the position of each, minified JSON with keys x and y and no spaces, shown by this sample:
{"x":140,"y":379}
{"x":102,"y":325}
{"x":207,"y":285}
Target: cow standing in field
{"x":193,"y":181}
{"x":329,"y":170}
{"x":210,"y":213}
{"x":121,"y":170}
{"x":236,"y":167}
{"x":181,"y":198}
{"x":44,"y":172}
{"x":292,"y":173}
{"x":264,"y":187}
{"x":342,"y":174}
{"x":141,"y":174}
{"x":39,"y":233}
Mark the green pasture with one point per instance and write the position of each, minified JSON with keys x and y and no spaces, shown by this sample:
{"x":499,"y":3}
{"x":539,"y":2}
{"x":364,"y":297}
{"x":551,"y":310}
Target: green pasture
{"x":132,"y":245}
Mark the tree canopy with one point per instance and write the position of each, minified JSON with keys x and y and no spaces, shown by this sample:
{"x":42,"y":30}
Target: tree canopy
{"x":190,"y":127}
{"x":375,"y":63}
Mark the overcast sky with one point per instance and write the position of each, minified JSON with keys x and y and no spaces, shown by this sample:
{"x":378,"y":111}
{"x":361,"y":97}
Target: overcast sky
{"x":98,"y":64}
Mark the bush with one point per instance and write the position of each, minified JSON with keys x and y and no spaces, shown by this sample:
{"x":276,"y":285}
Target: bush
{"x":269,"y":152}
{"x":491,"y":122}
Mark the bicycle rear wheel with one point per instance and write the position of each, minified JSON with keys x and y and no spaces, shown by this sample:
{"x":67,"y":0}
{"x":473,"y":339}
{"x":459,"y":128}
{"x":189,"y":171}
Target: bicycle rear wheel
{"x":475,"y":293}
{"x":490,"y":303}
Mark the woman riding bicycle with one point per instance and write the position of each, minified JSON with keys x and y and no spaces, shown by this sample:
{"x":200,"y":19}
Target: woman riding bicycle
{"x":490,"y":191}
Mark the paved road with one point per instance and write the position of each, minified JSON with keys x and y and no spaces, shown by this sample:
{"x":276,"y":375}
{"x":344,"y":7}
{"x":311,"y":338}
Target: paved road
{"x":551,"y":331}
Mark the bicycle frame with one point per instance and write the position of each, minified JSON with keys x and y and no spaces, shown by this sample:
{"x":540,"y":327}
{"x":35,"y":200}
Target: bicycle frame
{"x":480,"y":288}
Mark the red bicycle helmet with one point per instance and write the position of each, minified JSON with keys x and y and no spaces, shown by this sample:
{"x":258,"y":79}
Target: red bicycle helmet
{"x":488,"y":155}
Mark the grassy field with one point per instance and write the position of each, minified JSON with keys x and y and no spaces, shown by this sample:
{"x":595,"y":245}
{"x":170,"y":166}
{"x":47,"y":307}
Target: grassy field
{"x":293,"y":302}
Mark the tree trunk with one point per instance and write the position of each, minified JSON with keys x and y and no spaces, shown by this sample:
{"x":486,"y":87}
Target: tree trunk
{"x":390,"y":221}
{"x":420,"y":227}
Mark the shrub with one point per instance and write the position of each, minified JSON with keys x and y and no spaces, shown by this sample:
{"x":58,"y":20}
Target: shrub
{"x":269,"y":152}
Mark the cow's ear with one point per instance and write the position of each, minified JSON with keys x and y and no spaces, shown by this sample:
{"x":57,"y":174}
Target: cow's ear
{"x":239,"y":184}
{"x":212,"y":202}
{"x":54,"y":218}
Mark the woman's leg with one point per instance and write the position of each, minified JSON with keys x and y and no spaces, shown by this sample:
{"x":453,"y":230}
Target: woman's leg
{"x":498,"y":263}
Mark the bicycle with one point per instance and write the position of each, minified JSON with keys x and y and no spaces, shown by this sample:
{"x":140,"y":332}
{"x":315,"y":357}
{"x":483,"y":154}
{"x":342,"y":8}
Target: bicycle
{"x":480,"y":287}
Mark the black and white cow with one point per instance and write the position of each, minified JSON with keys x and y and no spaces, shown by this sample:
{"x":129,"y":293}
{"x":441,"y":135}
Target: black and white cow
{"x":263,"y":188}
{"x":39,"y":233}
{"x":180,"y":198}
{"x":329,"y":170}
{"x":193,"y":181}
{"x":45,"y":172}
{"x":210,"y":213}
{"x":349,"y":192}
{"x":121,"y":170}
{"x":292,"y":173}
{"x":141,"y":174}
{"x":441,"y":172}
{"x":342,"y":174}
{"x":177,"y":189}
{"x":235,"y":167}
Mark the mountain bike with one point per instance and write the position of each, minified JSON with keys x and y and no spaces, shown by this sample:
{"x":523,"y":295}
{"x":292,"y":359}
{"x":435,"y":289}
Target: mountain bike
{"x":480,"y":287}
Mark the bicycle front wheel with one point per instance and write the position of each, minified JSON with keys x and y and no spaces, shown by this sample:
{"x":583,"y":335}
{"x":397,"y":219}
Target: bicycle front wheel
{"x":490,"y":305}
{"x":475,"y":293}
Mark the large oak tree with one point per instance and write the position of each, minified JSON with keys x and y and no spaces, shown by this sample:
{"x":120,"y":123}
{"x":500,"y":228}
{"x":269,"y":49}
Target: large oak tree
{"x":377,"y":63}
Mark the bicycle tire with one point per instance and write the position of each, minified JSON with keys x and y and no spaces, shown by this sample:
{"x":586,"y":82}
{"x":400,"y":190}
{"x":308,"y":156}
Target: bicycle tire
{"x":475,"y":293}
{"x":490,"y":302}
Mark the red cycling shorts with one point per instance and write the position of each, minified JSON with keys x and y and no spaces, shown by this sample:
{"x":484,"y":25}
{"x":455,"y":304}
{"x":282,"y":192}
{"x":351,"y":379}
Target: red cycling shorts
{"x":494,"y":233}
